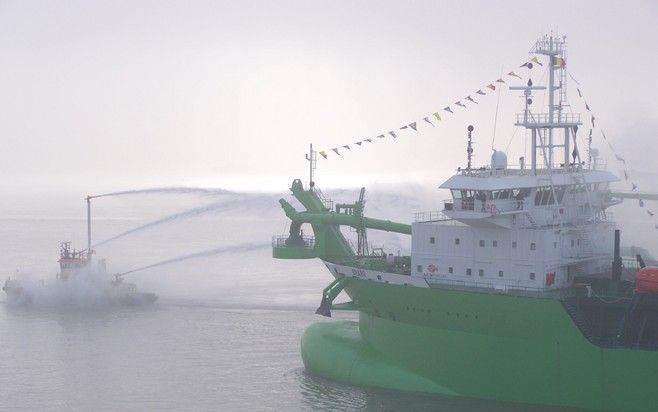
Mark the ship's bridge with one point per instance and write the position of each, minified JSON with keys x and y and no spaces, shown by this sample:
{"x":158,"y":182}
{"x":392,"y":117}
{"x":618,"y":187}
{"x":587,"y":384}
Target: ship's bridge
{"x":489,"y":197}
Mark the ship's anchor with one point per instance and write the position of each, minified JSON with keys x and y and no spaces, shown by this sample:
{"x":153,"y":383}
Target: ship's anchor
{"x":328,"y":295}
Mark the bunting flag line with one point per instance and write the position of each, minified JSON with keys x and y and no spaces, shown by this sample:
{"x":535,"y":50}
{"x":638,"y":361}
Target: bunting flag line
{"x":619,"y":158}
{"x":435,"y":115}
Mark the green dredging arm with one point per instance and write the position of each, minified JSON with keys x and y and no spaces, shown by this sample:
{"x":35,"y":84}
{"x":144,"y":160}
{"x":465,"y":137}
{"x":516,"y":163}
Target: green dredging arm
{"x":329,"y":242}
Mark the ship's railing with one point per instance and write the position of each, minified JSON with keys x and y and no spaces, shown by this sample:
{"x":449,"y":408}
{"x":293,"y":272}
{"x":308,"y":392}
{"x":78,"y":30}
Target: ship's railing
{"x":326,"y":202}
{"x":509,"y":287}
{"x":305,"y":242}
{"x":544,"y":118}
{"x":431,"y":216}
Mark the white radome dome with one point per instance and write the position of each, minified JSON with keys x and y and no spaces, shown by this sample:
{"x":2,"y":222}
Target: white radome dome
{"x":498,"y":160}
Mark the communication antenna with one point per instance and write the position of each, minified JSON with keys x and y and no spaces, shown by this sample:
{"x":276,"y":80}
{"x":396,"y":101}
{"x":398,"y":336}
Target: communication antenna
{"x":312,"y":158}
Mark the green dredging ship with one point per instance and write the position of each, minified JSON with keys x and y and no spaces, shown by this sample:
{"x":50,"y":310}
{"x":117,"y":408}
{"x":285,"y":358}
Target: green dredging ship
{"x":515,"y":291}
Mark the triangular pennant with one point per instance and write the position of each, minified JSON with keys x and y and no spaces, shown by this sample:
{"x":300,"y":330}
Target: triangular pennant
{"x":527,"y":64}
{"x":335,"y":149}
{"x":501,"y":81}
{"x":625,"y":175}
{"x":621,"y":159}
{"x":593,"y":118}
{"x":381,"y":136}
{"x":427,"y":119}
{"x":560,"y":62}
{"x":641,"y":202}
{"x":447,"y":109}
{"x":634,"y":186}
{"x":323,"y":153}
{"x":358,"y":143}
{"x":368,"y":140}
{"x":491,"y":86}
{"x":471,"y":99}
{"x":535,"y":60}
{"x":579,"y":93}
{"x":404,"y":127}
{"x":587,"y":107}
{"x":347,"y":147}
{"x":459,"y":103}
{"x":480,"y":92}
{"x":392,"y":133}
{"x":413,"y":126}
{"x":438,"y":116}
{"x":650,"y":212}
{"x":513,"y":74}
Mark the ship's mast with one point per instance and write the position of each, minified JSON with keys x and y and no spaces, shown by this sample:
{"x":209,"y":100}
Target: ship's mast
{"x":88,"y":198}
{"x":312,"y":159}
{"x":542,"y":125}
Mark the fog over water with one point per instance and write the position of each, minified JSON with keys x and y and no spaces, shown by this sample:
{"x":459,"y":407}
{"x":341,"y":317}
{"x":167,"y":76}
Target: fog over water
{"x":189,"y":120}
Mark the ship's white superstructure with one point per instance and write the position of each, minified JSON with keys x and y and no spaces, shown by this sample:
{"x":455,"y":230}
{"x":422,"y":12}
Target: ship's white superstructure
{"x":529,"y":227}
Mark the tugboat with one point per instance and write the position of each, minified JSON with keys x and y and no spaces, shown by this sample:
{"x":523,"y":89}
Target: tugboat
{"x":79,"y":275}
{"x":514,"y":291}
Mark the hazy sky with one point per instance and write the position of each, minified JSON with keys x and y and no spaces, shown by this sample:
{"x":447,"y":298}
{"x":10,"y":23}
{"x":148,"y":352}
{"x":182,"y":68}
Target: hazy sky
{"x":104,"y":95}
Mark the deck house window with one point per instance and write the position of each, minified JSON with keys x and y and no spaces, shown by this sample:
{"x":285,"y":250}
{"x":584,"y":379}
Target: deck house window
{"x":468,"y":272}
{"x":532,"y":275}
{"x":533,"y":246}
{"x":500,"y":273}
{"x":494,"y":243}
{"x":456,"y":241}
{"x":481,"y":243}
{"x":432,"y":240}
{"x":450,"y":269}
{"x":514,"y":244}
{"x":419,"y":268}
{"x":481,"y":272}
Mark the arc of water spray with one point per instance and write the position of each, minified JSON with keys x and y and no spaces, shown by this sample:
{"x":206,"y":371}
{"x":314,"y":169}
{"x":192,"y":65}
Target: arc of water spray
{"x":172,"y":190}
{"x":180,"y":215}
{"x":245,"y":247}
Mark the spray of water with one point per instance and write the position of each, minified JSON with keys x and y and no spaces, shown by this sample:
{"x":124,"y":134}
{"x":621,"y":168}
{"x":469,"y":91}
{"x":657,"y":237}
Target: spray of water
{"x":180,"y":190}
{"x":245,"y":247}
{"x":196,"y":211}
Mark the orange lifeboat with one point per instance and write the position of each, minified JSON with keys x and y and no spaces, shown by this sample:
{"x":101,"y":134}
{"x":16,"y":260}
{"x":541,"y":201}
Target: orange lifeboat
{"x":646,"y":280}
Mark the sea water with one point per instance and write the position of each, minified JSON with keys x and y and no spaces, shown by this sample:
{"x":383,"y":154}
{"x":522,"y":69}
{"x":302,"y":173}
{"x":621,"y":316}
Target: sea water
{"x":224,"y":334}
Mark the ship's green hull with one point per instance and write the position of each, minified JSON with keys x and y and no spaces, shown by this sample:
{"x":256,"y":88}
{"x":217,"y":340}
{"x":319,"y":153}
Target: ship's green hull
{"x":490,"y":346}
